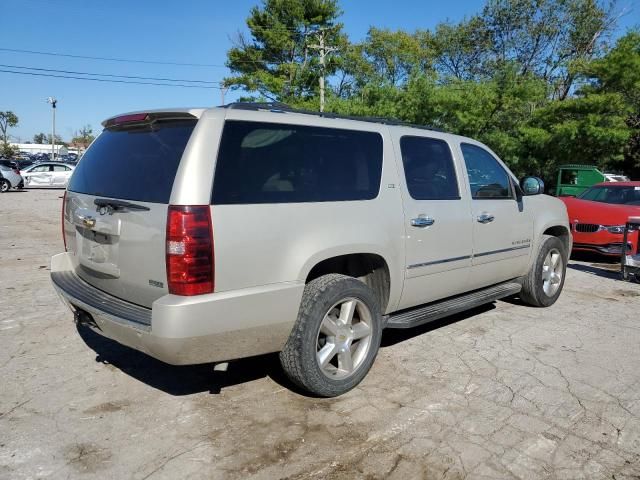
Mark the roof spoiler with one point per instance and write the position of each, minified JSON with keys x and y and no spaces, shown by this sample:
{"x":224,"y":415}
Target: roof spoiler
{"x":146,"y":118}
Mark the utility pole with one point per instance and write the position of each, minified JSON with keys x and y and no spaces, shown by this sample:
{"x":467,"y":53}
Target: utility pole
{"x":223,"y":92}
{"x":324,"y":51}
{"x":53,"y":103}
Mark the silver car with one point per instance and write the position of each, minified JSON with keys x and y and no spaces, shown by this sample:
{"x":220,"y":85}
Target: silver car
{"x":9,"y":178}
{"x":47,"y":174}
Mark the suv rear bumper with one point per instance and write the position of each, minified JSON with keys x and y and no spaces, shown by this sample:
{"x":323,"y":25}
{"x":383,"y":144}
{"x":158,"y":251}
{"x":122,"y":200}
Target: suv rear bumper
{"x":186,"y":330}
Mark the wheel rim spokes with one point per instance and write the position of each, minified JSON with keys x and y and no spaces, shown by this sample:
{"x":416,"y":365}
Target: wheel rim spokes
{"x":552,"y":270}
{"x":344,"y":338}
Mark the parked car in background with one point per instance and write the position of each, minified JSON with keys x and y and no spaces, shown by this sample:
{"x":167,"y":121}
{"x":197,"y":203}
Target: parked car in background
{"x":47,"y":174}
{"x":23,"y":163}
{"x":598,"y":216}
{"x":8,"y":163}
{"x":10,"y":178}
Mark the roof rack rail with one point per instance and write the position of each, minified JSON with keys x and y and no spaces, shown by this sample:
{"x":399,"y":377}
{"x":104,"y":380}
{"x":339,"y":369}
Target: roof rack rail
{"x":283,"y":107}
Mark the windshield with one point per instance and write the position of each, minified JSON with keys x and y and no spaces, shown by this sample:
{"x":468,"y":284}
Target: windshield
{"x":628,"y":195}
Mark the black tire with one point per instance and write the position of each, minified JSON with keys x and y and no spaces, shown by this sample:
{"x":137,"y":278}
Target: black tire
{"x":299,"y":356}
{"x":5,"y":186}
{"x":533,"y":292}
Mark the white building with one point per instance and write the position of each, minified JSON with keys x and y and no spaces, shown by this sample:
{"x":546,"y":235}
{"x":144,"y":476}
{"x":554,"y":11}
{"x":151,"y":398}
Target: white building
{"x":34,"y":148}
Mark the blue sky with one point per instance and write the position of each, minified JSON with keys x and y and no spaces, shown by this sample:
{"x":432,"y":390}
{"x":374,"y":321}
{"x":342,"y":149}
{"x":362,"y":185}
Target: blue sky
{"x":189,"y":31}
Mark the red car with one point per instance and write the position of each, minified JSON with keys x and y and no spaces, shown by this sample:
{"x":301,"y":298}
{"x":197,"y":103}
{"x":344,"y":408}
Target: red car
{"x":598,"y":216}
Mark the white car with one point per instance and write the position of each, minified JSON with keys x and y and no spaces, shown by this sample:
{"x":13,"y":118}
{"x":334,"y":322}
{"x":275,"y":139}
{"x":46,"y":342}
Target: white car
{"x":9,"y":178}
{"x":48,"y":174}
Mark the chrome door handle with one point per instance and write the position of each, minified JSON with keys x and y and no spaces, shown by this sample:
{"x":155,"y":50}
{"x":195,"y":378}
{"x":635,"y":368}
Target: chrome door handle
{"x":486,"y":218}
{"x":422,"y":222}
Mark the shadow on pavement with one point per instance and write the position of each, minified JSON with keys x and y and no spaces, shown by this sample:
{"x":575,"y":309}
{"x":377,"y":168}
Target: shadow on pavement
{"x":190,"y":379}
{"x":182,"y":380}
{"x":597,"y":270}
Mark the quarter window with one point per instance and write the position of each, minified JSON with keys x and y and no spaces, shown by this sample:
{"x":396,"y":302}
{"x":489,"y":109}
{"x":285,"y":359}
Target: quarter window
{"x":279,"y":163}
{"x":487,"y":178}
{"x":429,"y":169}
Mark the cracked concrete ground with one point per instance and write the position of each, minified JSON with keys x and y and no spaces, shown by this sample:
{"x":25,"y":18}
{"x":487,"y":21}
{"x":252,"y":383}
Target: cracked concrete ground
{"x":505,"y":391}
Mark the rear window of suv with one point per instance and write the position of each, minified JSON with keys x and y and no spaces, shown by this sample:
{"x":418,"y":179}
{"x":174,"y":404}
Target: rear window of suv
{"x":134,"y":163}
{"x":280,"y":163}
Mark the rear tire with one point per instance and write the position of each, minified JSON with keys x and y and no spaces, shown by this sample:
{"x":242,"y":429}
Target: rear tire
{"x":543,"y":284}
{"x":5,"y":186}
{"x":336,"y":336}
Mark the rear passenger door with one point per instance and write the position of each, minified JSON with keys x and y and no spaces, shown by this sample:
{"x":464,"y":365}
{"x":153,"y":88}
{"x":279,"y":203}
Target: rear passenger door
{"x":60,"y":175}
{"x":437,"y":221}
{"x":502,"y":227}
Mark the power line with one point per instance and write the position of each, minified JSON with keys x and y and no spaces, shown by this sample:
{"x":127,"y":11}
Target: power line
{"x":110,"y":75}
{"x":110,"y":59}
{"x":158,"y":62}
{"x":107,"y":80}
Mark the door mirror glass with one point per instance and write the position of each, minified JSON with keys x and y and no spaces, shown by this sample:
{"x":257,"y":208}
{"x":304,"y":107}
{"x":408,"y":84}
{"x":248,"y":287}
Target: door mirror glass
{"x":532,"y":185}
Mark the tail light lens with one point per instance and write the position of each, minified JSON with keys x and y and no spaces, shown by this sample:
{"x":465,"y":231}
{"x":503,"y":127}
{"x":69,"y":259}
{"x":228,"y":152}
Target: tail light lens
{"x":64,"y":205}
{"x":16,"y":171}
{"x":189,"y":251}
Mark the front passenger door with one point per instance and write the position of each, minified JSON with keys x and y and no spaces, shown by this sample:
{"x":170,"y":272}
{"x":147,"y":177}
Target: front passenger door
{"x":502,"y":226}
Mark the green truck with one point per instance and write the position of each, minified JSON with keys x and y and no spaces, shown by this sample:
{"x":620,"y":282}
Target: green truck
{"x":575,"y":179}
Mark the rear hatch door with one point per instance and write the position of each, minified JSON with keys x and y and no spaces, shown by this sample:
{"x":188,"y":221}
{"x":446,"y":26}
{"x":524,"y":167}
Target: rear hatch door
{"x":116,"y":206}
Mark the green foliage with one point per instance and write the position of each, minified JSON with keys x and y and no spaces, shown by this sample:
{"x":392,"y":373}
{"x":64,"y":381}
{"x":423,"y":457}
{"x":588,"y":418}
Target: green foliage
{"x":8,"y":119}
{"x":7,"y":150}
{"x":277,"y":62}
{"x":532,"y":79}
{"x":40,"y":138}
{"x":586,"y":130}
{"x":84,"y":136}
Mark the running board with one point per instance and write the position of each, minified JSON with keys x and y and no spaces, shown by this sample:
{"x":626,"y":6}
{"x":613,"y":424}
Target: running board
{"x":443,"y":308}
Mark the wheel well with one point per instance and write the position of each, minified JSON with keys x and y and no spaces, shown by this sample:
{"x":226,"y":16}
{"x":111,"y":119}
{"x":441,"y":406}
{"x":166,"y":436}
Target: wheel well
{"x":562,"y":233}
{"x":370,"y":268}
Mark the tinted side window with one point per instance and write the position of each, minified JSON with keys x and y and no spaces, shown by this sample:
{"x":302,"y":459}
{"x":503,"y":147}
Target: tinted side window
{"x":429,"y":169}
{"x":134,"y":163}
{"x":275,"y":163}
{"x":486,"y":176}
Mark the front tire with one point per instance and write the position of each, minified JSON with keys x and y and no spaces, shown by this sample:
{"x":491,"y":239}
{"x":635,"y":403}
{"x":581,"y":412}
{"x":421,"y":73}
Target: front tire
{"x":336,"y":337}
{"x":544,"y":282}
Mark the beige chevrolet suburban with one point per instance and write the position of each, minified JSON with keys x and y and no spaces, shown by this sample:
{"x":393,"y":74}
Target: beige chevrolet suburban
{"x":206,"y":235}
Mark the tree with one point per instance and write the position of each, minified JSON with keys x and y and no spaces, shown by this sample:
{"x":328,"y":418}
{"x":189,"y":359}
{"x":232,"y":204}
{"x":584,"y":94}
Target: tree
{"x":8,"y":119}
{"x":277,"y":62}
{"x":83,"y":137}
{"x":40,"y":138}
{"x":618,"y":72}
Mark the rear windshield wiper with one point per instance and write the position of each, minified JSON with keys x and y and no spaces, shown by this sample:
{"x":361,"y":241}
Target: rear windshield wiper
{"x":118,"y":204}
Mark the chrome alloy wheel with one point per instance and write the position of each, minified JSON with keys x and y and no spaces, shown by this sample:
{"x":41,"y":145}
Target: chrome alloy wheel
{"x":344,"y":338}
{"x":552,"y":270}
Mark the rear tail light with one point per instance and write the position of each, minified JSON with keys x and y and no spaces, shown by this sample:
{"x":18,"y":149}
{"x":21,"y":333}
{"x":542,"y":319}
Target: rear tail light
{"x":64,"y":204}
{"x":16,"y":171}
{"x":189,"y":250}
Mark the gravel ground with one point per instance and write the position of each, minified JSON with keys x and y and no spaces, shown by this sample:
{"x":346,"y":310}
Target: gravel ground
{"x":505,"y":391}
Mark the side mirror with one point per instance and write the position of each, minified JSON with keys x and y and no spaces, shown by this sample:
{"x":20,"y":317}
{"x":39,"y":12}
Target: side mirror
{"x":532,"y":185}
